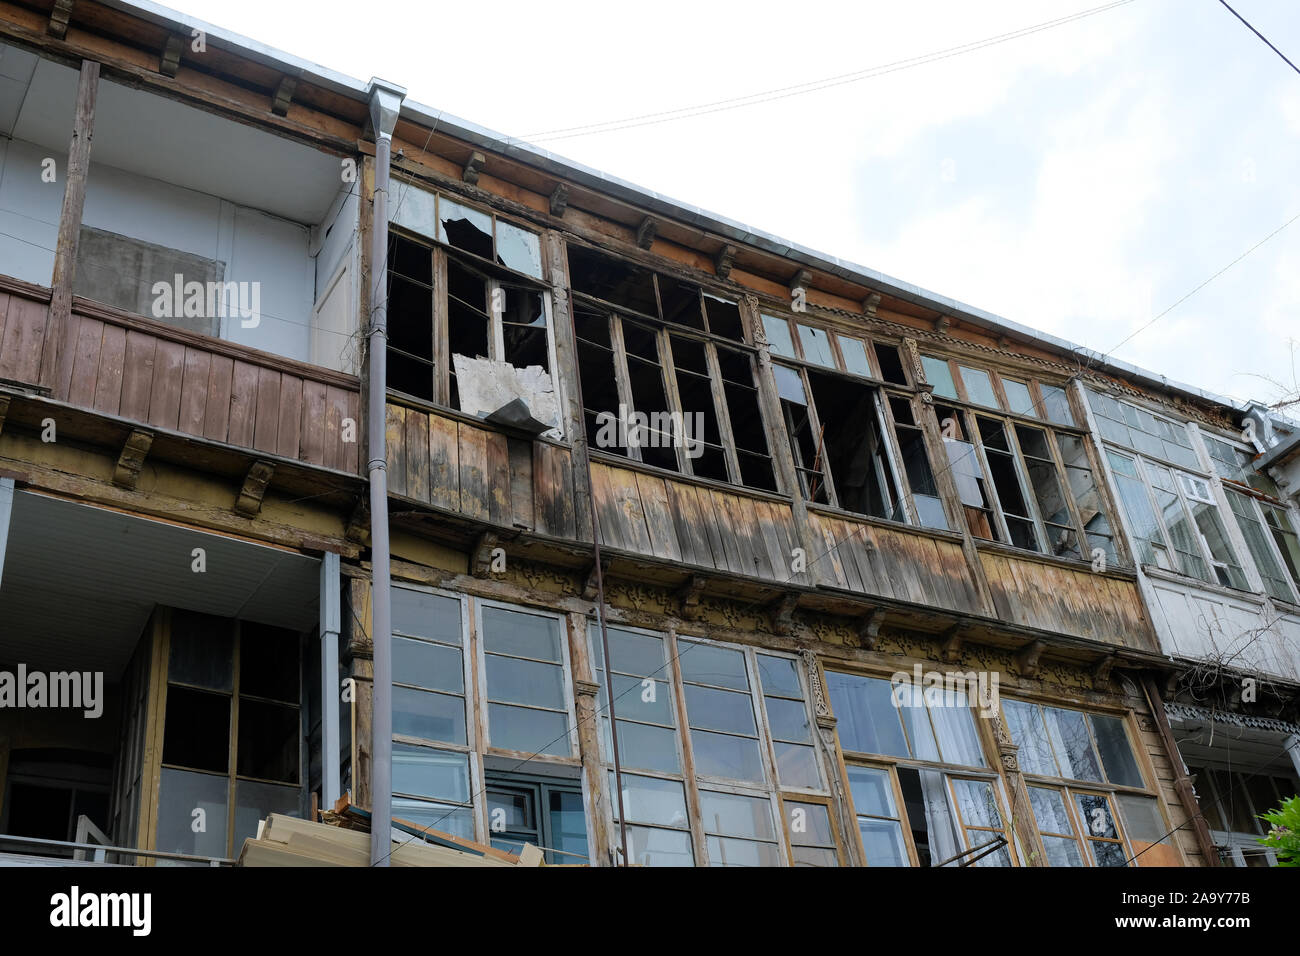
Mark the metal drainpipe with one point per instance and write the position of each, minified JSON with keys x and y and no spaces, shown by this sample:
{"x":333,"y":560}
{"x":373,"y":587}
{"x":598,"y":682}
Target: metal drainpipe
{"x":385,"y":103}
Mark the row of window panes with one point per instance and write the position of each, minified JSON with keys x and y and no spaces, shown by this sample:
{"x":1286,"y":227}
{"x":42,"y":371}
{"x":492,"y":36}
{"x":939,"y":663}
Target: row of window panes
{"x":990,"y":389}
{"x":840,"y":351}
{"x":463,"y":227}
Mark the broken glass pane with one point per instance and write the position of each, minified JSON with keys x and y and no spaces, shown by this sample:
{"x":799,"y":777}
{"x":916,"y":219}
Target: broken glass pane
{"x":519,"y":249}
{"x":464,"y":228}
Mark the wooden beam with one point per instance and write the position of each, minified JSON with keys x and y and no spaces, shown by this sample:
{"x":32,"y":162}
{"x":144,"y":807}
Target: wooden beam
{"x":646,"y":232}
{"x":480,"y":564}
{"x":1028,"y":658}
{"x":358,"y":527}
{"x":249,"y":502}
{"x":590,"y":588}
{"x":952,"y":644}
{"x":802,"y":280}
{"x":473,"y":166}
{"x":134,"y":451}
{"x":4,"y":411}
{"x":869,"y":627}
{"x":942,"y":324}
{"x":723,"y":261}
{"x":1101,"y":673}
{"x":690,"y":597}
{"x":58,"y":26}
{"x":170,"y":60}
{"x":57,"y":354}
{"x":283,"y":95}
{"x":1182,"y":783}
{"x":870,"y":302}
{"x":781,"y":613}
{"x":559,"y":199}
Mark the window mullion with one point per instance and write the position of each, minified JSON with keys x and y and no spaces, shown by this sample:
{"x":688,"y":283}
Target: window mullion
{"x":677,"y":417}
{"x":441,"y":340}
{"x":990,"y":486}
{"x":621,"y":378}
{"x":902,"y":486}
{"x":720,"y":410}
{"x":819,"y":463}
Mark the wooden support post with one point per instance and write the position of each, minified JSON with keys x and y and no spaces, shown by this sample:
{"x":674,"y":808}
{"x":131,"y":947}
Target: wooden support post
{"x":58,"y":25}
{"x":575,"y":428}
{"x":1182,"y":783}
{"x":1022,"y":818}
{"x":249,"y":501}
{"x":360,"y":651}
{"x":596,"y":795}
{"x":559,"y":199}
{"x":134,"y":451}
{"x":646,"y":232}
{"x":283,"y":95}
{"x":56,"y":357}
{"x":473,"y":166}
{"x":724,"y":260}
{"x":169,"y":62}
{"x":826,"y":737}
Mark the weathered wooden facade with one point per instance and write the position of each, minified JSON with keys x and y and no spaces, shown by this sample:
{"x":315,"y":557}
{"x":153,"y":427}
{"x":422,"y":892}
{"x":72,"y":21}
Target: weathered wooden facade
{"x":840,"y":492}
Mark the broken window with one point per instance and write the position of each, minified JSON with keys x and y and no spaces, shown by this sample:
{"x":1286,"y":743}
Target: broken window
{"x":482,"y":234}
{"x":228,"y":732}
{"x":735,"y":748}
{"x":662,"y":382}
{"x":463,"y":335}
{"x":988,"y":388}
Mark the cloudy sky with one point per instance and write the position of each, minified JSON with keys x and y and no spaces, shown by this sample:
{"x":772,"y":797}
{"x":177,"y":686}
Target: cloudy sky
{"x":1079,"y":180}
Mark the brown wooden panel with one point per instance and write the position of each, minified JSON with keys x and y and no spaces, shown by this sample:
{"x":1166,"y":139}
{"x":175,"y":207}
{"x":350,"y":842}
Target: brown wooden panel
{"x":216,"y":416}
{"x":416,"y":446}
{"x":165,"y":394}
{"x":337,"y":452}
{"x":692,"y":538}
{"x":825,"y":554}
{"x":498,"y":478}
{"x":473,"y":470}
{"x":553,"y":490}
{"x":84,"y":367}
{"x":732,"y":548}
{"x":768,"y":515}
{"x":352,"y":434}
{"x":312,"y":430}
{"x":194,"y":391}
{"x":630,"y":511}
{"x":20,"y":351}
{"x":243,"y":404}
{"x":607,"y":514}
{"x":395,"y":446}
{"x":137,"y":375}
{"x":520,"y":452}
{"x":266,"y":417}
{"x":4,"y":316}
{"x":444,"y":463}
{"x":112,"y":357}
{"x":289,"y":430}
{"x":658,"y":517}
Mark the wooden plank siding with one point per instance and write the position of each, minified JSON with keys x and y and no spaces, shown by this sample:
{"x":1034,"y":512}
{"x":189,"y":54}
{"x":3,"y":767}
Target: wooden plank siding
{"x":173,"y":380}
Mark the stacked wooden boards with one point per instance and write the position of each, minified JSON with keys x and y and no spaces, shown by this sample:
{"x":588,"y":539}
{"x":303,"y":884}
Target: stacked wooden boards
{"x":288,"y":841}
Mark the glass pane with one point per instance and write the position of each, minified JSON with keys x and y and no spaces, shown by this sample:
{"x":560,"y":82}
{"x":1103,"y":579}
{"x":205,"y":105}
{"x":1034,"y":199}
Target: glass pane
{"x":254,"y":802}
{"x":519,"y":249}
{"x":652,"y":847}
{"x":732,"y":758}
{"x":653,"y":801}
{"x":779,"y":676}
{"x":180,"y":793}
{"x":939,"y":375}
{"x":720,"y":710}
{"x":979,"y":387}
{"x":529,"y":731}
{"x":809,"y":824}
{"x":269,"y":741}
{"x":705,"y":664}
{"x":1050,"y":811}
{"x":1062,"y":851}
{"x":1018,"y":397}
{"x":925,"y":799}
{"x":524,"y":682}
{"x":977,"y":804}
{"x":632,"y":653}
{"x":813,"y":856}
{"x":521,"y":635}
{"x":1116,"y":754}
{"x":1057,"y":405}
{"x":1094,"y":810}
{"x":954,"y":725}
{"x":855,"y":355}
{"x":511,"y":810}
{"x":788,"y":719}
{"x":1025,"y":724}
{"x":458,"y":821}
{"x":434,"y":666}
{"x":568,"y":826}
{"x":867,"y":718}
{"x":426,"y":615}
{"x":1257,"y":541}
{"x":1151,"y":839}
{"x":1108,"y":854}
{"x":1070,"y":740}
{"x":732,"y":814}
{"x":882,"y":842}
{"x":639,"y":698}
{"x":197,"y":729}
{"x":646,"y":747}
{"x":430,"y":716}
{"x":423,"y":772}
{"x":796,"y":766}
{"x":778,"y":336}
{"x":268,"y":662}
{"x":816,"y":346}
{"x":724,"y":851}
{"x":202,"y":651}
{"x":464,"y":228}
{"x":871,"y":792}
{"x":919,"y":732}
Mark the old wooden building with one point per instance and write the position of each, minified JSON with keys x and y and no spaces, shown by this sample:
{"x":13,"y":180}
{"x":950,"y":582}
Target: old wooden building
{"x":874,"y":577}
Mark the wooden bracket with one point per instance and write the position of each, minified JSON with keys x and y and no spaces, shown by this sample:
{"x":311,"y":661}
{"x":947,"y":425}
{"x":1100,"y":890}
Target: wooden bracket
{"x":585,"y":688}
{"x":690,"y":597}
{"x":781,"y":613}
{"x":802,"y":280}
{"x":942,"y":324}
{"x":170,"y":61}
{"x":58,"y":25}
{"x":870,"y":302}
{"x":559,"y":199}
{"x":646,"y":232}
{"x":869,"y":627}
{"x":134,"y":451}
{"x":723,"y":261}
{"x":481,"y":560}
{"x":473,"y":167}
{"x":4,"y":411}
{"x":358,"y":528}
{"x":591,"y":589}
{"x":283,"y":95}
{"x":952,"y":643}
{"x":1004,"y":342}
{"x":1028,"y":657}
{"x":1101,"y":673}
{"x":249,"y":502}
